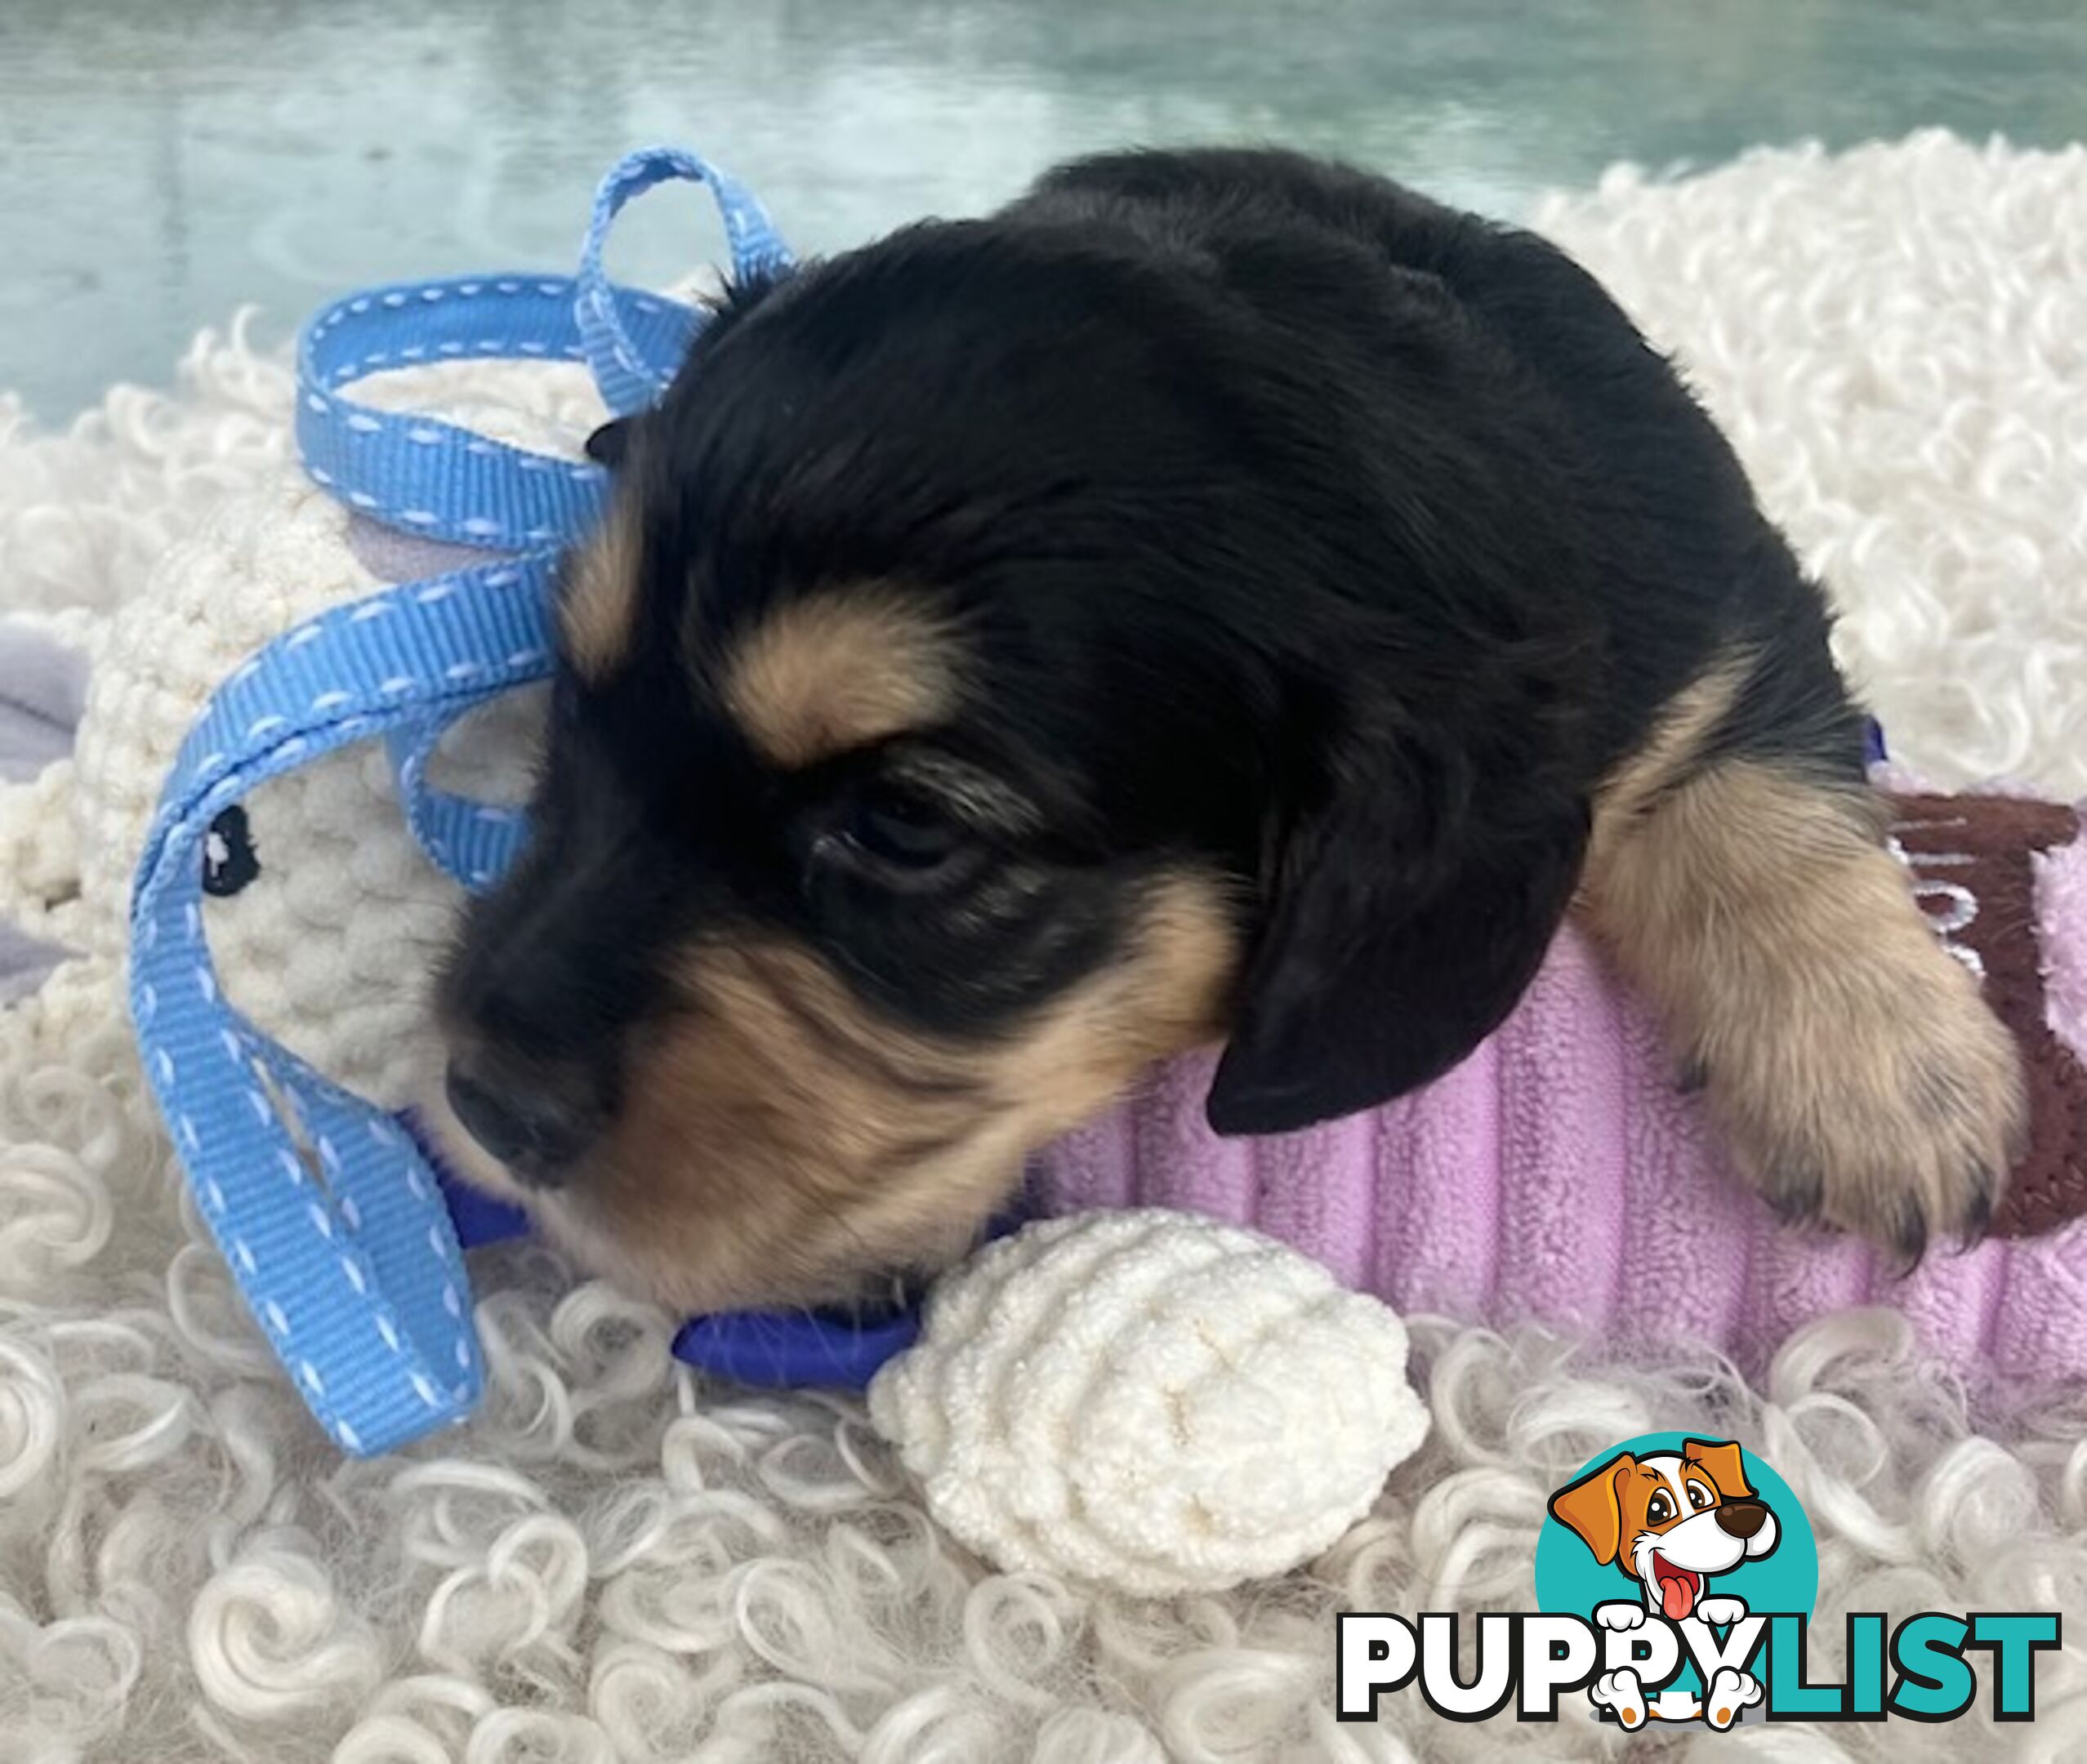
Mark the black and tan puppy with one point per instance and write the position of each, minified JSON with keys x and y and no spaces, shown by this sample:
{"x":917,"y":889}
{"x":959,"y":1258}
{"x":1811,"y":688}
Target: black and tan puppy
{"x":1220,"y":596}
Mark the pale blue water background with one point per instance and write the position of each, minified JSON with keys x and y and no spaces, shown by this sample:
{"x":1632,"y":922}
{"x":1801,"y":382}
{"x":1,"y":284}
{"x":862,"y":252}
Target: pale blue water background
{"x":162,"y":161}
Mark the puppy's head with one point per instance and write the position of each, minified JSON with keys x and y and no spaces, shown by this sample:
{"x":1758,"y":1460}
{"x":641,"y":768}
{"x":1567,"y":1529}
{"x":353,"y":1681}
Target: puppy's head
{"x":986,"y":683}
{"x":1670,"y":1520}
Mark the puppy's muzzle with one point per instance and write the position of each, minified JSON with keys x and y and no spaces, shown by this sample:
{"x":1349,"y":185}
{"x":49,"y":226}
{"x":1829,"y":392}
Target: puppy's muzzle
{"x":537,"y":1124}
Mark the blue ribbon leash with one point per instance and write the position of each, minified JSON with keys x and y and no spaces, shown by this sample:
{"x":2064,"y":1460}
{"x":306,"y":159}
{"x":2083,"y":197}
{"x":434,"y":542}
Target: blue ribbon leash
{"x":330,"y":1216}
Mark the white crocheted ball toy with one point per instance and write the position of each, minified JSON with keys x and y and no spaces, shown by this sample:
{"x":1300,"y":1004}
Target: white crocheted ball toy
{"x":1149,"y":1400}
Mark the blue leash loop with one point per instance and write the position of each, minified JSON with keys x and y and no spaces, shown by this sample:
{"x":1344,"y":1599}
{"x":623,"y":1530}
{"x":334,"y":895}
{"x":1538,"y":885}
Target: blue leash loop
{"x":330,"y":1216}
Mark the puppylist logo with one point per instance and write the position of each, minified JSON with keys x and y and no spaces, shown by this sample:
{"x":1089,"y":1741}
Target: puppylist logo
{"x":1676,"y":1577}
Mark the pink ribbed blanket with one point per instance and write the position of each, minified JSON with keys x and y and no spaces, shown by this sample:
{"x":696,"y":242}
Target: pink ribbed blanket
{"x":1558,"y":1175}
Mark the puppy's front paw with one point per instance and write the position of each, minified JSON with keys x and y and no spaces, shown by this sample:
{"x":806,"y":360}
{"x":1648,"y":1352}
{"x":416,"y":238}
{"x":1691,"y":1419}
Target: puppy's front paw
{"x":1619,"y":1614}
{"x":1621,"y":1691}
{"x":1720,"y":1609}
{"x":1848,"y":1059}
{"x":1882,"y":1096}
{"x":1730,"y":1692}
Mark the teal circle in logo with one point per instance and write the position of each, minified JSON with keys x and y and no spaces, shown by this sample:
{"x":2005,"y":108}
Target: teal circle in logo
{"x":1571,"y":1579}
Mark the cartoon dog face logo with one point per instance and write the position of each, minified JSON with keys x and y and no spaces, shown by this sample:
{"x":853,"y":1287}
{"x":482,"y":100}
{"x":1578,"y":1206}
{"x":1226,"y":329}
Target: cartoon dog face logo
{"x":1670,"y":1519}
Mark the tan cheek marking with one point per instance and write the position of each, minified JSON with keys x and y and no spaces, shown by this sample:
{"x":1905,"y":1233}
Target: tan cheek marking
{"x":781,"y":1138}
{"x":1167,"y":994}
{"x":838,"y":671}
{"x":598,"y":598}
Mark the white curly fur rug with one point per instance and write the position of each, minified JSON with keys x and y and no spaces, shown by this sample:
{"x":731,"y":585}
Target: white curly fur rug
{"x":618,"y":1562}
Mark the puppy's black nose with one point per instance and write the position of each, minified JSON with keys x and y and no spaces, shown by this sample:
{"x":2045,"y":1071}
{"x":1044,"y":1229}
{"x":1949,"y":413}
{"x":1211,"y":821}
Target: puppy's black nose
{"x":1742,"y":1518}
{"x":537,"y":1128}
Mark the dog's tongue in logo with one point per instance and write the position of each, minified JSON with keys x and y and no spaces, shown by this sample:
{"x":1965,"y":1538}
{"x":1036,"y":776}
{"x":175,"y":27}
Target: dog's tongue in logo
{"x":1678,"y":1587}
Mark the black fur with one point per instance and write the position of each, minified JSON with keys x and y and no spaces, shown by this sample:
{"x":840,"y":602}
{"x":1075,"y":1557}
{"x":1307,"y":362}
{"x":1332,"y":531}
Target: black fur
{"x":1299,"y":530}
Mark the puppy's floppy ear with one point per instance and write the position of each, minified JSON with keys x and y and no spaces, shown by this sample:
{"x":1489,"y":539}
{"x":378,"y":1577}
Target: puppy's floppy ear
{"x":1593,"y":1508}
{"x":607,"y":446}
{"x":1723,"y":1462}
{"x":1406,"y":912}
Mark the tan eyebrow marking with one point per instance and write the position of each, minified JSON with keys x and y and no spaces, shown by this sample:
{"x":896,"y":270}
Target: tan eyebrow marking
{"x":840,"y":670}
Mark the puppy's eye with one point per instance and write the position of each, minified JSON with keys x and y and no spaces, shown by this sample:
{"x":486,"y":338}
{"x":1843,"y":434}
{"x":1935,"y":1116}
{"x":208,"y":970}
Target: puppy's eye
{"x":1660,"y":1508}
{"x":897,"y":838}
{"x":1700,"y":1497}
{"x":902,"y":832}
